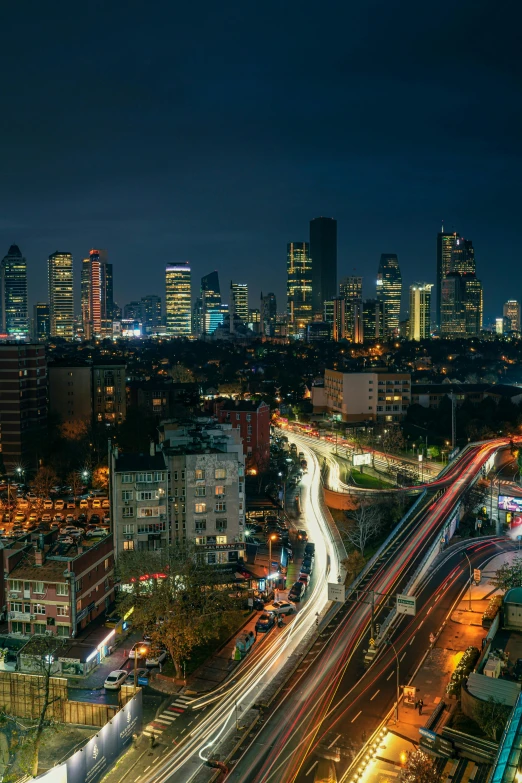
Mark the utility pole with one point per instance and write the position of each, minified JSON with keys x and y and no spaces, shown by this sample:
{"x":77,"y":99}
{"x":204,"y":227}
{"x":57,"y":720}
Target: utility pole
{"x":453,"y":421}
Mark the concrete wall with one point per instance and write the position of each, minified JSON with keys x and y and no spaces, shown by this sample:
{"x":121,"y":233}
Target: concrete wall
{"x":339,"y":500}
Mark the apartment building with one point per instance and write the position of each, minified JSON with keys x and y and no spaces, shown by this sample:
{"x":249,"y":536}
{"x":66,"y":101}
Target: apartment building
{"x":58,"y":589}
{"x":84,"y":392}
{"x":363,"y":396}
{"x":253,"y":421}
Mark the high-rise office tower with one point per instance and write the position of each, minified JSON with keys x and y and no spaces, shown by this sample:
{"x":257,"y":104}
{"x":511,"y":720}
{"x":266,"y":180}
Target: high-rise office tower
{"x":323,"y":254}
{"x":299,"y":287}
{"x":178,"y":299}
{"x":452,"y":306}
{"x":473,"y":304}
{"x":268,"y":314}
{"x":335,"y":315}
{"x":239,"y":300}
{"x":445,"y":243}
{"x":389,"y":290}
{"x":61,"y":295}
{"x":420,"y":311}
{"x":462,"y":259}
{"x":85,"y":294}
{"x":13,"y":294}
{"x":132,"y":311}
{"x":350,"y":289}
{"x":212,"y":311}
{"x":108,"y":289}
{"x":197,"y":317}
{"x":41,"y":322}
{"x":373,"y":316}
{"x":151,"y":312}
{"x":511,"y":314}
{"x":97,"y":301}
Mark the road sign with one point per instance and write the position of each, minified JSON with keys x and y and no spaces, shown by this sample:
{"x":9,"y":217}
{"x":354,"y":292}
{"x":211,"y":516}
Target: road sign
{"x":336,"y":592}
{"x":477,"y":574}
{"x":361,"y":459}
{"x":406,"y":604}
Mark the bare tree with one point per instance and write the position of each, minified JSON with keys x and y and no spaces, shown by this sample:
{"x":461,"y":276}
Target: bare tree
{"x":75,"y":482}
{"x":491,"y":716}
{"x":362,"y":526}
{"x":44,"y":481}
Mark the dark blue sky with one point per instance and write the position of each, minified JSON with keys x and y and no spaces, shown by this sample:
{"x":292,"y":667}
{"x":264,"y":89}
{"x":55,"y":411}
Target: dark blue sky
{"x":212,"y":132}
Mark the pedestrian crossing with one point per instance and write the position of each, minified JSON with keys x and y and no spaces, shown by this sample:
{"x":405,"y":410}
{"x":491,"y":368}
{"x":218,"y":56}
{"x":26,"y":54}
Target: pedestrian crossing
{"x":168,"y":716}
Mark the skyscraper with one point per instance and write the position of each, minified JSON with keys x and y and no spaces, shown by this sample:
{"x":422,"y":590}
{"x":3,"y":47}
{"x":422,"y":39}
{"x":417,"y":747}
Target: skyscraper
{"x":13,"y":298}
{"x":389,"y":290}
{"x":323,"y":253}
{"x":462,"y":257}
{"x":151,"y":312}
{"x":473,"y":304}
{"x":452,"y":306}
{"x":420,"y":311}
{"x":299,"y":287}
{"x":212,"y":311}
{"x":445,"y":243}
{"x":97,"y":301}
{"x":335,"y":315}
{"x":350,"y":289}
{"x":511,"y":314}
{"x":268,"y":314}
{"x":373,"y":317}
{"x":239,"y":300}
{"x":61,"y":295}
{"x":178,"y":299}
{"x":85,"y":294}
{"x":41,"y":322}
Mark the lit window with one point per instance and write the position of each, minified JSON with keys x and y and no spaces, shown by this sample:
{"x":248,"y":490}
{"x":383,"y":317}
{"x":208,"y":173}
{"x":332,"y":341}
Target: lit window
{"x":200,"y":508}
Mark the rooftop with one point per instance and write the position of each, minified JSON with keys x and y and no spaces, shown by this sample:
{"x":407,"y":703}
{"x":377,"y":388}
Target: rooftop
{"x":127,"y":463}
{"x":498,"y":389}
{"x":56,"y":558}
{"x":242,"y":405}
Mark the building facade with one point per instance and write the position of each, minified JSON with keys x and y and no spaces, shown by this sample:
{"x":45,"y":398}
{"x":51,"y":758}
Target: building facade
{"x":23,"y":403}
{"x":335,"y":315}
{"x":445,"y":244}
{"x":70,"y":394}
{"x":178,"y":299}
{"x":61,"y":295}
{"x":252,"y":419}
{"x":299,"y":287}
{"x":364,"y":396}
{"x":373,"y":319}
{"x":420,"y":311}
{"x":323,"y":254}
{"x":268,"y":314}
{"x":151,"y":313}
{"x":97,"y":295}
{"x":212,"y":311}
{"x":239,"y":301}
{"x":511,"y":312}
{"x":41,"y":322}
{"x":389,"y":291}
{"x":13,"y":294}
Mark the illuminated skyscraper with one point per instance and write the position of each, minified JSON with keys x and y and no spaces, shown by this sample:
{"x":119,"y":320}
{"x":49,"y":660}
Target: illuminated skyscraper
{"x":473,"y":304}
{"x":350,"y":289}
{"x":41,"y":322}
{"x":323,"y":254}
{"x":445,"y":243}
{"x":212,"y":310}
{"x":512,"y":315}
{"x":389,"y":290}
{"x":299,"y":287}
{"x":268,"y":314}
{"x":178,"y":299}
{"x":373,"y":319}
{"x":452,"y":306}
{"x":97,"y":302}
{"x":85,"y":294}
{"x":462,"y":258}
{"x":239,"y":300}
{"x":61,"y":295}
{"x":335,"y":315}
{"x":13,"y":294}
{"x":150,"y":312}
{"x":420,"y":311}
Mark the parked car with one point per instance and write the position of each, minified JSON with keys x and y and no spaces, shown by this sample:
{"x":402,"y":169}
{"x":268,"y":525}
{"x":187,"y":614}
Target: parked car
{"x":106,"y":503}
{"x":113,"y":620}
{"x":115,"y":680}
{"x":96,"y":503}
{"x":142,"y":648}
{"x":309,"y":550}
{"x":296,"y":591}
{"x":69,"y":519}
{"x":48,"y":504}
{"x":71,"y":504}
{"x":59,"y":505}
{"x":22,"y":503}
{"x":304,"y":578}
{"x":19,"y":518}
{"x":281,"y":607}
{"x":33,"y":517}
{"x":265,"y":623}
{"x":96,"y":532}
{"x":95,"y":518}
{"x":70,"y":530}
{"x":155,"y":657}
{"x":84,"y":503}
{"x":306,"y":569}
{"x":47,"y":518}
{"x":302,"y":535}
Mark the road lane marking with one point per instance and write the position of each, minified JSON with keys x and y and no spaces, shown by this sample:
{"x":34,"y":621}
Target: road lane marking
{"x":375,"y":694}
{"x":421,"y":622}
{"x":334,"y":741}
{"x":412,"y":640}
{"x":389,"y":675}
{"x":402,"y":656}
{"x":354,"y":719}
{"x":312,"y":767}
{"x":429,"y":610}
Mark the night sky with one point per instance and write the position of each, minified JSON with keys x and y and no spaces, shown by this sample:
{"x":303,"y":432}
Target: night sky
{"x":213,"y":131}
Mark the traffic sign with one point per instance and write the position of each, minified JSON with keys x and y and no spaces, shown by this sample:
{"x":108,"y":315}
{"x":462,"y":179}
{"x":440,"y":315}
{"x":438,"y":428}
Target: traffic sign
{"x":477,"y":574}
{"x":336,"y":592}
{"x":406,"y":604}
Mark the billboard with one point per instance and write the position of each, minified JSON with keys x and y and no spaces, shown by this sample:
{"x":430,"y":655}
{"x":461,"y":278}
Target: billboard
{"x":361,"y":459}
{"x":509,"y":503}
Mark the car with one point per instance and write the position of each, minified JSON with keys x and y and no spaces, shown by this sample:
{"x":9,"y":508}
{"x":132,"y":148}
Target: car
{"x":33,"y":518}
{"x":265,"y":623}
{"x":106,"y":503}
{"x":296,"y":592}
{"x":69,"y":519}
{"x":96,"y":503}
{"x":281,"y":607}
{"x":95,"y":518}
{"x":309,"y":550}
{"x":308,"y":563}
{"x":48,"y":504}
{"x":57,"y":517}
{"x":306,"y":569}
{"x":155,"y":657}
{"x":113,"y":620}
{"x":19,"y":518}
{"x":31,"y":497}
{"x":22,"y":503}
{"x":304,"y":578}
{"x":141,"y":676}
{"x":70,"y":530}
{"x":302,"y":535}
{"x":59,"y":505}
{"x":71,"y":504}
{"x":142,"y":648}
{"x":115,"y":680}
{"x":96,"y":532}
{"x":84,"y":503}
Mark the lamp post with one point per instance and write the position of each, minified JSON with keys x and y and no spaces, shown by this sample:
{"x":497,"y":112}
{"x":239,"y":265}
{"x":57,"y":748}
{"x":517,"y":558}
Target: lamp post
{"x":270,"y":539}
{"x":470,"y":578}
{"x":388,"y":641}
{"x":141,"y":651}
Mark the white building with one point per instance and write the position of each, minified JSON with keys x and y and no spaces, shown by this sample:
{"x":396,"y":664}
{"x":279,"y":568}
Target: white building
{"x":363,"y":396}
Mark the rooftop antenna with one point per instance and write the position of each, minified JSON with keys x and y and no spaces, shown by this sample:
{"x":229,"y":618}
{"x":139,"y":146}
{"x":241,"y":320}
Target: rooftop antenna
{"x":442,"y":225}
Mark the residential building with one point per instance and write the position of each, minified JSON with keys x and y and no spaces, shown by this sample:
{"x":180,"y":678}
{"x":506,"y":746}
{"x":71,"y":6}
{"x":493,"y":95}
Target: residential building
{"x":212,"y":311}
{"x":41,"y":322}
{"x":512,"y":315}
{"x":253,"y":421}
{"x":23,"y":403}
{"x":13,"y":294}
{"x":82,"y":393}
{"x":373,"y":319}
{"x":162,"y":397}
{"x":299,"y":287}
{"x":61,"y":295}
{"x":268,"y":314}
{"x":109,"y":393}
{"x":151,"y":313}
{"x":59,"y":589}
{"x":452,"y":306}
{"x":445,"y":243}
{"x":178,"y":299}
{"x":323,"y":254}
{"x":389,"y":291}
{"x":363,"y":396}
{"x":420,"y":311}
{"x":239,"y":301}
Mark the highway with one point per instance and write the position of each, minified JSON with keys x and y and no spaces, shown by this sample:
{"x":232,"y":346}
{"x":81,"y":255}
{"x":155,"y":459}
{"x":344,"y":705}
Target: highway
{"x":288,"y":737}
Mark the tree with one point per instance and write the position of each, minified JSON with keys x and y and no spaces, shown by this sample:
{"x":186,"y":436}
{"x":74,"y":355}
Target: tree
{"x":74,"y":480}
{"x":185,"y":605}
{"x":508,"y":575}
{"x":364,"y":524}
{"x":44,"y":481}
{"x":419,"y":769}
{"x":100,"y":477}
{"x":491,"y":716}
{"x":353,"y":566}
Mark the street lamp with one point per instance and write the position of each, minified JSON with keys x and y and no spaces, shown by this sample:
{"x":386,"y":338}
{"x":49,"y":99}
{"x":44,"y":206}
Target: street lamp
{"x":271,"y":538}
{"x":470,"y":578}
{"x":142,"y":651}
{"x":388,"y":641}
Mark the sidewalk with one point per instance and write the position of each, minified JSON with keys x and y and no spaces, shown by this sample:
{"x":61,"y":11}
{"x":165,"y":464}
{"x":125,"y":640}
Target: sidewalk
{"x":94,"y":681}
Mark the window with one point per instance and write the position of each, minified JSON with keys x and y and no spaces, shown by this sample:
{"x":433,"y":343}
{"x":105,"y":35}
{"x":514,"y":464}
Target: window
{"x":38,"y":587}
{"x":220,"y":506}
{"x":199,"y":475}
{"x":151,"y":527}
{"x":39,"y":628}
{"x":201,"y":524}
{"x":62,"y":589}
{"x":128,"y":511}
{"x":249,"y":417}
{"x":221,"y":539}
{"x":158,"y":476}
{"x":183,"y":475}
{"x":201,"y":541}
{"x":16,"y":585}
{"x":238,"y":417}
{"x":175,"y":475}
{"x":128,"y":546}
{"x":107,"y":563}
{"x":62,"y":611}
{"x":221,"y":524}
{"x":201,"y":492}
{"x":148,"y":511}
{"x":126,"y":494}
{"x":39,"y":609}
{"x":17,"y":628}
{"x":143,"y":477}
{"x":62,"y":630}
{"x":16,"y":607}
{"x":79,"y":586}
{"x":232,"y":557}
{"x":146,"y":495}
{"x":128,"y":530}
{"x":200,"y":508}
{"x":220,"y":473}
{"x":127,"y":478}
{"x":211,"y":559}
